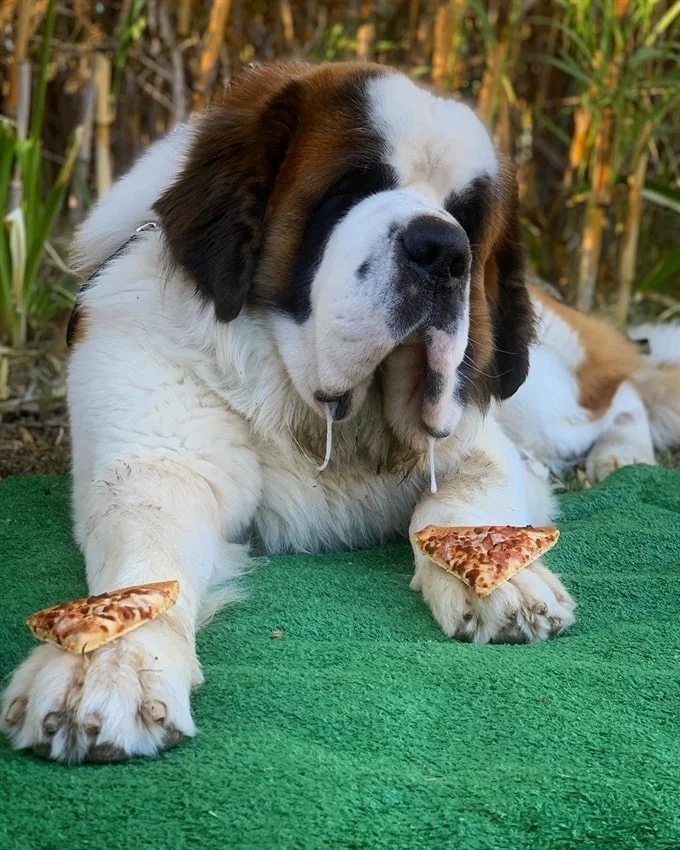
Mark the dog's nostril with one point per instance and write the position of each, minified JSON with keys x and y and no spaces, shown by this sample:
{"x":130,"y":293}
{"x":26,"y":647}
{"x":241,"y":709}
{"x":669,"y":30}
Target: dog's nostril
{"x":459,"y":265}
{"x":437,"y":247}
{"x":424,"y":254}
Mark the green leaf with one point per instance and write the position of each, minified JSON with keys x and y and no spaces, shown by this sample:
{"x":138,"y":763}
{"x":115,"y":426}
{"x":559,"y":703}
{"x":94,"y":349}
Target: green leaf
{"x":567,"y":66}
{"x":662,"y":272}
{"x":482,"y":17}
{"x":663,"y":24}
{"x":553,"y":127}
{"x":53,"y":203}
{"x":662,"y":196}
{"x":649,"y":54}
{"x":571,"y":34}
{"x":7,"y":144}
{"x":41,"y":87}
{"x":29,"y":157}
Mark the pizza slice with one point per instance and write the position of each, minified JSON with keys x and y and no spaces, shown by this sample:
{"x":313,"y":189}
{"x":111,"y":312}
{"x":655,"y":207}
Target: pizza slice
{"x":485,"y":556}
{"x":84,"y":625}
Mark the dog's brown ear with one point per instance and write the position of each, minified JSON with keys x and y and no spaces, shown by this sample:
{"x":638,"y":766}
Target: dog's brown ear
{"x":212,"y":217}
{"x":512,"y":315}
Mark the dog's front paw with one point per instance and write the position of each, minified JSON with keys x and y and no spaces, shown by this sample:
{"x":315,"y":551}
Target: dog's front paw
{"x":532,"y":605}
{"x":128,"y":698}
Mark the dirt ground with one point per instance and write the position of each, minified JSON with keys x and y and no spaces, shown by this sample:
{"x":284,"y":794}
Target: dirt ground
{"x":29,"y":446}
{"x":33,"y":418}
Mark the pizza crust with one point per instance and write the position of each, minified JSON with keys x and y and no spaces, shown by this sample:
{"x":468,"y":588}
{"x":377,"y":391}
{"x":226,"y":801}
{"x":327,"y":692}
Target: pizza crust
{"x":483,"y":557}
{"x":84,"y":625}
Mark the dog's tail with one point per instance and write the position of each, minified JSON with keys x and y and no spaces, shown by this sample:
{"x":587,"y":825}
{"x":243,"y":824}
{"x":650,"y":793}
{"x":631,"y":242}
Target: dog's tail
{"x":129,"y":203}
{"x":658,"y":380}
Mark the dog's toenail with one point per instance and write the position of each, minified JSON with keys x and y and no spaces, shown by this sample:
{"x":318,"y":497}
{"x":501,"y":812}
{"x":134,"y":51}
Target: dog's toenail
{"x":52,"y":722}
{"x":172,"y":738}
{"x":156,"y":710}
{"x":92,"y":724}
{"x":541,"y":609}
{"x":512,"y":614}
{"x":16,"y":712}
{"x":467,"y":616}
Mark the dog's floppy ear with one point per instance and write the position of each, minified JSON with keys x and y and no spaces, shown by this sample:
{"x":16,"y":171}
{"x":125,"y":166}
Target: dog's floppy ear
{"x":512,"y":315}
{"x":212,"y":217}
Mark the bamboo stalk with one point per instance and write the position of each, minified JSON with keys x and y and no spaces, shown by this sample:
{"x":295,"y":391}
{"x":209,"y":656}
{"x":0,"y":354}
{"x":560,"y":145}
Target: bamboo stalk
{"x":319,"y":28}
{"x":184,"y":18}
{"x":412,"y":30}
{"x":310,"y":23}
{"x":7,"y":8}
{"x":629,"y":240}
{"x":24,"y":103}
{"x":102,"y":85}
{"x":80,"y":13}
{"x":81,"y":173}
{"x":40,"y":93}
{"x":577,"y":148}
{"x":236,"y":37}
{"x":591,"y":248}
{"x":455,"y":66}
{"x":441,"y":47}
{"x":179,"y":98}
{"x":546,"y":76}
{"x":4,"y":378}
{"x":500,"y":61}
{"x":211,"y":51}
{"x":152,"y":22}
{"x":598,"y":200}
{"x":22,"y":32}
{"x":23,"y":114}
{"x":366,"y":29}
{"x":287,"y":25}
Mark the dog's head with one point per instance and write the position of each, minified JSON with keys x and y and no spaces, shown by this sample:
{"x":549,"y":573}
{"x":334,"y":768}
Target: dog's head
{"x":374,"y":224}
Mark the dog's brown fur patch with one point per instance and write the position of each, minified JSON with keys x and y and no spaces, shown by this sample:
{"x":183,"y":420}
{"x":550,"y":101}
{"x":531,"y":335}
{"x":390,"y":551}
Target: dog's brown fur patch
{"x":260,"y":160}
{"x":501,"y":315}
{"x":77,"y":326}
{"x":608,"y":358}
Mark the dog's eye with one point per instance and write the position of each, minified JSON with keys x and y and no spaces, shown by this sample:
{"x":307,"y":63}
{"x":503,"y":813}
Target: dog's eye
{"x":359,"y":182}
{"x":471,"y":207}
{"x":643,"y":344}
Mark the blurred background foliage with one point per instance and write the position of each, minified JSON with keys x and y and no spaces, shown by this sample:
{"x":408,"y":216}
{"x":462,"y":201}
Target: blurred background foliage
{"x":583,"y":95}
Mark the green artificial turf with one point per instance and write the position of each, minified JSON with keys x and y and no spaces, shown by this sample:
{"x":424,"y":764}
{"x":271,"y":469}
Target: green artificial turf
{"x":363,"y":727}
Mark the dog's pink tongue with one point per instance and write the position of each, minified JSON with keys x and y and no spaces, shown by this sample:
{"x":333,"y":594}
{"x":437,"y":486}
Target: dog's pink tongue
{"x":440,"y":410}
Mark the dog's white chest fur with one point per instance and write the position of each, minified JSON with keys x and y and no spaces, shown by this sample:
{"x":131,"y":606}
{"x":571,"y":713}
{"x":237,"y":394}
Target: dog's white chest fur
{"x":346,"y":505}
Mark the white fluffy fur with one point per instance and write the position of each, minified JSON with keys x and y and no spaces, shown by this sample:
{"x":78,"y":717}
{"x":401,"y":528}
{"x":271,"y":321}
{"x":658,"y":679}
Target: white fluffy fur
{"x":658,"y":382}
{"x":128,"y":205}
{"x":186,"y":435}
{"x":664,"y":342}
{"x":545,"y":419}
{"x":438,"y":145}
{"x":189,"y":436}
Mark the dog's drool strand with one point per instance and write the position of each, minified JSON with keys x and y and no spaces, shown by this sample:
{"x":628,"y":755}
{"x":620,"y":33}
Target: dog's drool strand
{"x":329,"y":438}
{"x":433,"y":476}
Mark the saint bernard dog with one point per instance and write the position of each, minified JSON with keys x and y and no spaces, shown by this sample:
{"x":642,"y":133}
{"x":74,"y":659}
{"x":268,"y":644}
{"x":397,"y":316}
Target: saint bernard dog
{"x":305,"y":327}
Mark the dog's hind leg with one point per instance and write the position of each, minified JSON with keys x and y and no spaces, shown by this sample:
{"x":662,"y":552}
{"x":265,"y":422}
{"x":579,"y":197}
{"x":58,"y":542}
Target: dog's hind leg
{"x":627,"y":441}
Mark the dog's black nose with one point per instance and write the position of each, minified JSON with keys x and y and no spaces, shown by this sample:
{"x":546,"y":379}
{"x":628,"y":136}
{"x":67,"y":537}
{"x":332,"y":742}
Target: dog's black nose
{"x":437,"y":247}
